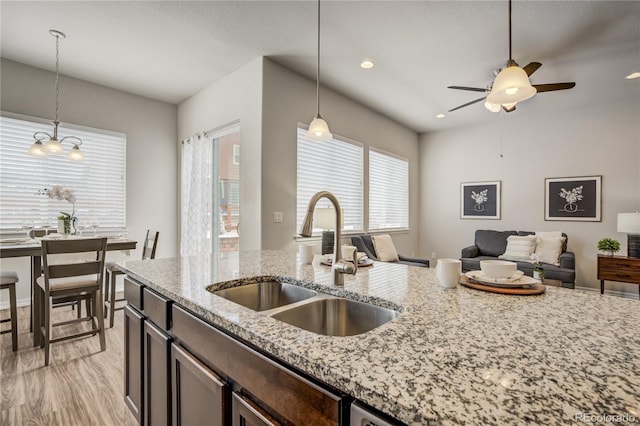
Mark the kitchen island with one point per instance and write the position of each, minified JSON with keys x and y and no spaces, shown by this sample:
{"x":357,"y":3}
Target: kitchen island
{"x":451,"y":357}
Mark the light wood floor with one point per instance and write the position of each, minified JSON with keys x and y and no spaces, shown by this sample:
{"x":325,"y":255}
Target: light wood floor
{"x":81,"y":385}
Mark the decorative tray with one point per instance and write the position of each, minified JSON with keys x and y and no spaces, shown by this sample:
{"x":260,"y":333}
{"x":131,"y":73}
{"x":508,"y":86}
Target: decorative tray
{"x":531,"y":290}
{"x":517,"y":280}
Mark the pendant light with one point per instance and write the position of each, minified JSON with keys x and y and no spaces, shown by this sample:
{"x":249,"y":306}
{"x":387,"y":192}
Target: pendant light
{"x":318,"y":129}
{"x":54,"y":145}
{"x":512,"y":83}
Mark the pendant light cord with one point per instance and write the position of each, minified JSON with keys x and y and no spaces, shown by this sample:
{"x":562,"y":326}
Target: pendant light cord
{"x":510,"y":58}
{"x":318,"y":67}
{"x":57,"y":66}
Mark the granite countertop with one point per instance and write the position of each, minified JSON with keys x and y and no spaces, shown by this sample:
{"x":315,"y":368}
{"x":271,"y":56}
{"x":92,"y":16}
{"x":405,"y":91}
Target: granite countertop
{"x":451,"y":357}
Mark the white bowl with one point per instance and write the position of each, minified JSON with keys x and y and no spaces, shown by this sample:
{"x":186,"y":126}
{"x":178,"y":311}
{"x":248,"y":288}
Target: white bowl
{"x":498,"y":268}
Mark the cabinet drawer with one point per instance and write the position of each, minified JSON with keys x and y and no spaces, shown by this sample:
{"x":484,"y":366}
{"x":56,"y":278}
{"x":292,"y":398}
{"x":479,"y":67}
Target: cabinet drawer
{"x":133,"y":293}
{"x":157,"y":308}
{"x":619,"y":269}
{"x":295,"y":399}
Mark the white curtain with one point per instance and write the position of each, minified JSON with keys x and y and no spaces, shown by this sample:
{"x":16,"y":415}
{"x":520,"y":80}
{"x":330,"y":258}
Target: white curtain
{"x":197,"y":195}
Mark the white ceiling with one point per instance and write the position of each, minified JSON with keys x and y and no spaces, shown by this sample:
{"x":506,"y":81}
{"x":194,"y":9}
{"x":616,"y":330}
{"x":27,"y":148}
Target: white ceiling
{"x":170,"y":50}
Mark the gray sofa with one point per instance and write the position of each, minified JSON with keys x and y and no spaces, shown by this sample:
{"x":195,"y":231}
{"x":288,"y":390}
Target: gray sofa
{"x":364,"y":243}
{"x":491,"y":244}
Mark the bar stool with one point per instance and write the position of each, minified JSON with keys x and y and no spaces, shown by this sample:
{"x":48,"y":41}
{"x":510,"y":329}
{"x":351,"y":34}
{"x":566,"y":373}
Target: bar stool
{"x":8,"y":281}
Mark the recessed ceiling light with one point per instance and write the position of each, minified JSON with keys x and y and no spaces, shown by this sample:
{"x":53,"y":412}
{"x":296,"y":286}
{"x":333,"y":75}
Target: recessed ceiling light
{"x":633,"y":75}
{"x":441,"y":115}
{"x":366,"y":64}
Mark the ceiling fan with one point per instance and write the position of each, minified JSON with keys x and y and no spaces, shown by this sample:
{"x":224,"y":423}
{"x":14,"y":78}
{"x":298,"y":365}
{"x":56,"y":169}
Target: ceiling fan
{"x":511,"y":85}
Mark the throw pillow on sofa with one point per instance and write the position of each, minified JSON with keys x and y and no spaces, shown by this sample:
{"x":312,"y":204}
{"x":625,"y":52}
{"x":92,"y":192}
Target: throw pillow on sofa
{"x":385,"y":249}
{"x":519,"y":248}
{"x":549,"y":249}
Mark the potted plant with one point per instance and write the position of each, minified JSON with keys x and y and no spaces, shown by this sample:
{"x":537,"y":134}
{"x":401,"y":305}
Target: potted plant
{"x":609,"y":245}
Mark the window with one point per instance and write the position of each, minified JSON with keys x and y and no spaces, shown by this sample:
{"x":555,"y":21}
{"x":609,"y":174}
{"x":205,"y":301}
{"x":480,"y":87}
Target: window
{"x":334,"y":166}
{"x":388,"y":191}
{"x":98,"y":181}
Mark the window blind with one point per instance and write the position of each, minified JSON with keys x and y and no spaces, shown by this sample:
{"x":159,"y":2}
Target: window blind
{"x":388,"y":191}
{"x":335,"y":166}
{"x":98,"y":182}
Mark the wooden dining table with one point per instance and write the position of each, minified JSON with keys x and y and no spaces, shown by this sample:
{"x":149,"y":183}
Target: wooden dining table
{"x":33,"y":250}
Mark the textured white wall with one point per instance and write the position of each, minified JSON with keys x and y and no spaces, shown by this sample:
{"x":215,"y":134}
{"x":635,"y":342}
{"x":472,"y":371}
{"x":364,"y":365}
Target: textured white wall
{"x":238,"y":96}
{"x":290,"y":98}
{"x":151,"y":129}
{"x":602,"y":138}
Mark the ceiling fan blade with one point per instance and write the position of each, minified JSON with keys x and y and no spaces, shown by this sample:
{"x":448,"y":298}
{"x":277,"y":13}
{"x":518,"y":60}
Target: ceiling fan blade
{"x":513,"y":108}
{"x":467,"y":104}
{"x":554,"y":86}
{"x":472,"y":89}
{"x":531,"y":67}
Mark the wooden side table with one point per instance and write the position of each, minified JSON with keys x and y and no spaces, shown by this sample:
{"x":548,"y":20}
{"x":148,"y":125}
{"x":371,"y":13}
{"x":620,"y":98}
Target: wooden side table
{"x":618,"y":268}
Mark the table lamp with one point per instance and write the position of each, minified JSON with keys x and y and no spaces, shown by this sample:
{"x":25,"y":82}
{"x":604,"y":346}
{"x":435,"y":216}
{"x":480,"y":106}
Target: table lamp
{"x":325,"y":219}
{"x":629,"y":223}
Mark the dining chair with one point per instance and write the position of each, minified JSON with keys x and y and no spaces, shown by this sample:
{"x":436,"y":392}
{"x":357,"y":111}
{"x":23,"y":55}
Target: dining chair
{"x":71,"y":278}
{"x":40,"y":233}
{"x":112,"y":272}
{"x":8,"y":280}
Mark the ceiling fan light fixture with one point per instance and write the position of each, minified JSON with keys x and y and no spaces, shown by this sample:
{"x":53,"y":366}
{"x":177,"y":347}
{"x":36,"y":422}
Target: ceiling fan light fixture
{"x":511,"y":86}
{"x":492,"y":107}
{"x":509,"y":107}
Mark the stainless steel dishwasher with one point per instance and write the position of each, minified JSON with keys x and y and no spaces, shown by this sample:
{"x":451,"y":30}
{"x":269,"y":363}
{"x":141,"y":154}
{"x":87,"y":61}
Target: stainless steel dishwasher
{"x":360,"y":416}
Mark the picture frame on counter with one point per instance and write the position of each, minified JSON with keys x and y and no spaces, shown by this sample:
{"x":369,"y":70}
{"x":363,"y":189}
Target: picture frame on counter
{"x":573,"y":199}
{"x":480,"y":200}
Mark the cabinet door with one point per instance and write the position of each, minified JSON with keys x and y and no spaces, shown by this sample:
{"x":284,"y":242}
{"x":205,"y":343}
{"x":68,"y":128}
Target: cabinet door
{"x":157,"y":373}
{"x":133,"y":376}
{"x":246,"y":413}
{"x":199,"y":396}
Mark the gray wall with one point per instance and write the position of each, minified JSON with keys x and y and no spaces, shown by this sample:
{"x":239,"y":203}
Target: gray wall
{"x":236,"y":97}
{"x":601,"y":138}
{"x":151,"y":129}
{"x":289,"y":98}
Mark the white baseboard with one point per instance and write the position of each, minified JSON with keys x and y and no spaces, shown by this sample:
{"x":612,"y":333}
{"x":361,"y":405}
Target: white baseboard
{"x":624,"y":294}
{"x":19,"y":303}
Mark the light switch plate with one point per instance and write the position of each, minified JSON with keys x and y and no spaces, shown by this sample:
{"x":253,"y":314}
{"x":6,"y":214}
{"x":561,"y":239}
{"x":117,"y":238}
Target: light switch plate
{"x":277,"y":217}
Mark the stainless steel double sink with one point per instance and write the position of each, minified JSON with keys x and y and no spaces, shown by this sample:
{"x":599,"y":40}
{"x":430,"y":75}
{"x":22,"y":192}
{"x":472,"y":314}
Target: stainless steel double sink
{"x":308,"y":309}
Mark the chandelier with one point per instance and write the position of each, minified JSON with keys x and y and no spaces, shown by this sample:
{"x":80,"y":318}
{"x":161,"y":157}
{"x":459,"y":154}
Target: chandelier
{"x":54,"y":145}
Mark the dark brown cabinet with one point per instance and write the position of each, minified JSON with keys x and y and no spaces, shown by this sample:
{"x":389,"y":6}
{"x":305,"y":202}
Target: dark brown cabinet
{"x":181,"y":370}
{"x":157,"y":396}
{"x":246,"y":413}
{"x":199,"y":396}
{"x":133,"y":373}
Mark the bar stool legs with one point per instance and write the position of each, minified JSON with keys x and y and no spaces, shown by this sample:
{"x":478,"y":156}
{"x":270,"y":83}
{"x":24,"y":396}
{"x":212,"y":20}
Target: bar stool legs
{"x":8,"y":281}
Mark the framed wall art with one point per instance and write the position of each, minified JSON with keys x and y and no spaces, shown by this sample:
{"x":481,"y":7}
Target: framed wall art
{"x":480,"y":200}
{"x":573,"y":198}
